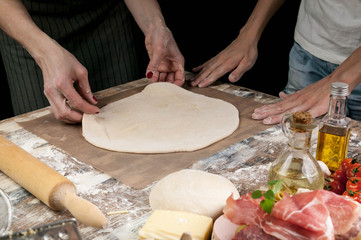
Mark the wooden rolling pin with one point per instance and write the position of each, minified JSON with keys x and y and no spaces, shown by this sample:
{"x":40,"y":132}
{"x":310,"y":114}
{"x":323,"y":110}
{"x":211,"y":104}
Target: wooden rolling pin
{"x":53,"y":189}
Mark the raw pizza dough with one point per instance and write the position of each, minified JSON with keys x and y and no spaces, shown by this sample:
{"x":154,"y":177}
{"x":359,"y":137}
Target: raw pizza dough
{"x":162,"y":118}
{"x":193,"y":191}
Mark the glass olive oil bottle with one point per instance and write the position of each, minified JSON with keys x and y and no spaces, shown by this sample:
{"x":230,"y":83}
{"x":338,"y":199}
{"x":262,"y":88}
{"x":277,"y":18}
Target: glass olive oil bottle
{"x":334,"y":133}
{"x":295,"y":165}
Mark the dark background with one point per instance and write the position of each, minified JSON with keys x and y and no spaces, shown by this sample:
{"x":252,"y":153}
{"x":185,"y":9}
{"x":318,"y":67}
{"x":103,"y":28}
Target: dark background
{"x":204,"y":29}
{"x":6,"y":109}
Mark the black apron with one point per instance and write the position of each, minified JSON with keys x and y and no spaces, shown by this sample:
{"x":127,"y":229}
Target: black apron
{"x":100,"y":34}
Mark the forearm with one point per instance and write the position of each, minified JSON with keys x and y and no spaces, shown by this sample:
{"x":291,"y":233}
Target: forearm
{"x":17,"y":23}
{"x":260,"y":17}
{"x":349,"y":71}
{"x":147,"y":14}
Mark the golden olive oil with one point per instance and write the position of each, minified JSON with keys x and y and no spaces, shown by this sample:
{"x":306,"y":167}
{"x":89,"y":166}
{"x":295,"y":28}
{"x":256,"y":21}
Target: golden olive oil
{"x":294,"y":177}
{"x":334,"y":133}
{"x":332,"y":145}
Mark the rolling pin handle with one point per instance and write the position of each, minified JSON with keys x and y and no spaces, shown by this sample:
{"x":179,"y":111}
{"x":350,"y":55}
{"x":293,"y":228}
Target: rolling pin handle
{"x":52,"y":188}
{"x":84,"y":211}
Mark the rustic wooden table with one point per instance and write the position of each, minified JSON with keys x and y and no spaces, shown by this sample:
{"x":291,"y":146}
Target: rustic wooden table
{"x":245,"y":164}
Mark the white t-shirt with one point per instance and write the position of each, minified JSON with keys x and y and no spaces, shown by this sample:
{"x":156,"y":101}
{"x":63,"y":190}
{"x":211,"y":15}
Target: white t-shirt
{"x":329,"y":29}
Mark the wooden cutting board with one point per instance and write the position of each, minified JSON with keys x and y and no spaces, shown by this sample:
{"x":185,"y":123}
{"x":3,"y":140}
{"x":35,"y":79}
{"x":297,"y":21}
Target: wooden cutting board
{"x":140,"y":170}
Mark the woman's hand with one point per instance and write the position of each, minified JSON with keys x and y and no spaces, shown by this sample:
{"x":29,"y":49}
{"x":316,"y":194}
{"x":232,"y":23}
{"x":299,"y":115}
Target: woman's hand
{"x":166,"y":61}
{"x":61,"y":71}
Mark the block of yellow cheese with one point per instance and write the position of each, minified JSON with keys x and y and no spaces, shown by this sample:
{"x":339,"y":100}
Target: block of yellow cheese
{"x":169,"y":225}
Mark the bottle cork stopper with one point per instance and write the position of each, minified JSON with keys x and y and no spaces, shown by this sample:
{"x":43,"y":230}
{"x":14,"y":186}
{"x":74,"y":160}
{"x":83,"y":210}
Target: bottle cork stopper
{"x":302,"y":117}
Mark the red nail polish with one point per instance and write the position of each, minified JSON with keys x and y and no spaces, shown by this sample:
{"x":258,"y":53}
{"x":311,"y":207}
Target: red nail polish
{"x":97,"y":113}
{"x":95,"y":99}
{"x":149,"y":75}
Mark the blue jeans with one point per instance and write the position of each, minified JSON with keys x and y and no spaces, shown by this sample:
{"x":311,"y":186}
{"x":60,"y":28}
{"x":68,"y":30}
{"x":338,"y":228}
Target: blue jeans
{"x":306,"y":69}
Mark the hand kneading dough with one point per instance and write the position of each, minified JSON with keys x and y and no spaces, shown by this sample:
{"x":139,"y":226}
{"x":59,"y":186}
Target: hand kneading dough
{"x":192,"y":191}
{"x":162,"y":118}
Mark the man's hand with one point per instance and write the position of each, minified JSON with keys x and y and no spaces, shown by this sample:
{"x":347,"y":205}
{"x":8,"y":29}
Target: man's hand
{"x":313,"y":99}
{"x":238,"y":57}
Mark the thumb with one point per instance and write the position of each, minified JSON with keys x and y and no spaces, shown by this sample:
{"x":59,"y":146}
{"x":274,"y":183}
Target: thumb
{"x":84,"y":87}
{"x":283,"y":95}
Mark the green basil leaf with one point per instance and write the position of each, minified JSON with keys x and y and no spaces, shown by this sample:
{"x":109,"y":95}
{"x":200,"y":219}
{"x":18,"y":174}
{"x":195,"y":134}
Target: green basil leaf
{"x":256,"y":194}
{"x":270,"y":195}
{"x":267,"y":205}
{"x":273,"y":182}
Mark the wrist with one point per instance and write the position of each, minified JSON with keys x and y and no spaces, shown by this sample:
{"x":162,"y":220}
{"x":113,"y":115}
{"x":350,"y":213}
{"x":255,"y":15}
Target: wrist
{"x":41,"y":47}
{"x":349,"y":71}
{"x":250,"y":34}
{"x":151,"y":26}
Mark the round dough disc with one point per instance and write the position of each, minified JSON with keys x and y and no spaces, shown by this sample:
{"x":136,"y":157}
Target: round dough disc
{"x":193,"y":191}
{"x":162,"y":118}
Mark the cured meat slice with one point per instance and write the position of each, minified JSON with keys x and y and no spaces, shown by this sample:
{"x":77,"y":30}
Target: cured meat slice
{"x":306,"y":210}
{"x":311,"y":210}
{"x":353,"y":233}
{"x":285,"y":230}
{"x":244,"y":210}
{"x":253,"y":232}
{"x":318,"y":214}
{"x":344,"y":211}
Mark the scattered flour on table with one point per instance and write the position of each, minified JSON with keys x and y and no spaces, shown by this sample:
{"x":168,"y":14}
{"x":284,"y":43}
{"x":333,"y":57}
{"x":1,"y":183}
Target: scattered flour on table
{"x":37,"y":114}
{"x":86,"y":183}
{"x":274,"y":135}
{"x":9,"y":126}
{"x":248,"y":179}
